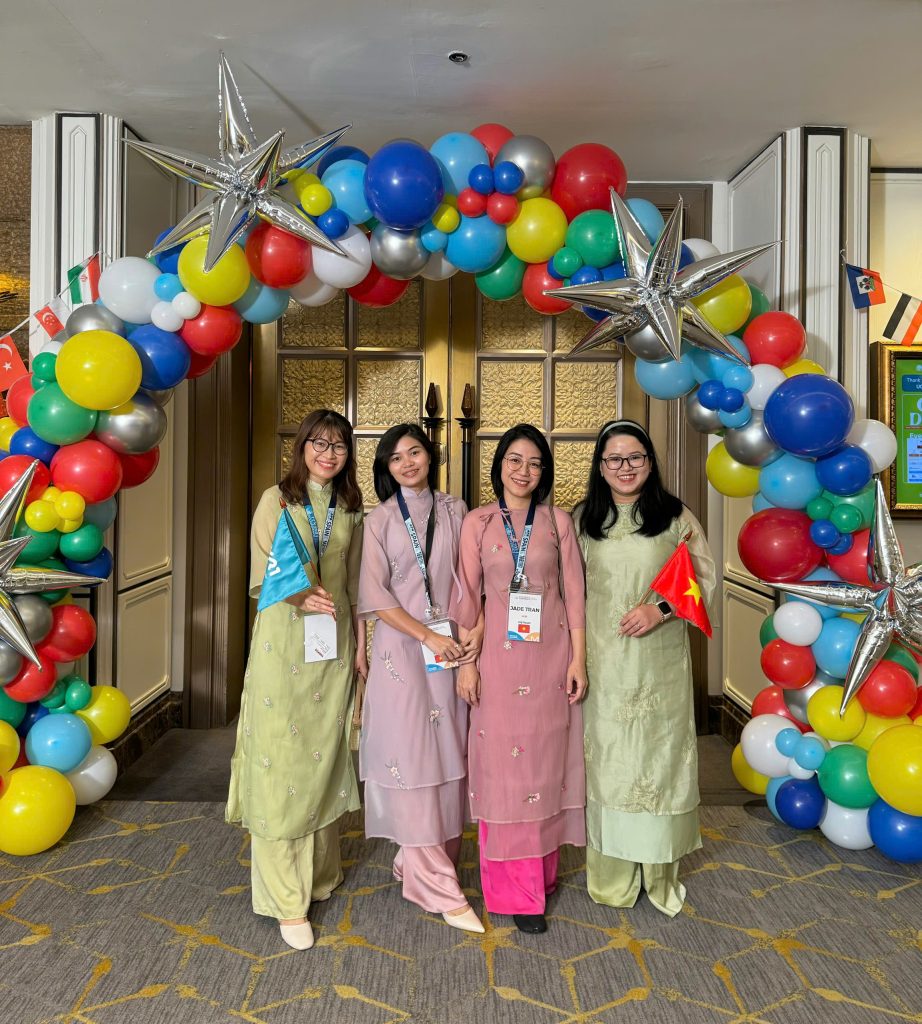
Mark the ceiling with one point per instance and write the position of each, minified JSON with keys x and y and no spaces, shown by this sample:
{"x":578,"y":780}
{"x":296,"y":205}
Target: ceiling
{"x":682,"y":89}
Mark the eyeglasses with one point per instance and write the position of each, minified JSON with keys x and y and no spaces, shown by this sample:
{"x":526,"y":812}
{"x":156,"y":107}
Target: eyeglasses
{"x":321,"y":444}
{"x":615,"y":462}
{"x":517,"y":463}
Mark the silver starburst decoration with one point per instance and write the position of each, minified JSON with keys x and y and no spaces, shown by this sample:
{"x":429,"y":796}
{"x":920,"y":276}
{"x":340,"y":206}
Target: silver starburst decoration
{"x":241,"y":181}
{"x":656,"y":294}
{"x":893,"y":600}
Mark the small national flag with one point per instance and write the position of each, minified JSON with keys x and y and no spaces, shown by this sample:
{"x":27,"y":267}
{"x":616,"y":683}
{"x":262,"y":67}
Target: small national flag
{"x":51,"y":318}
{"x":866,"y":285}
{"x":286,"y":569}
{"x":678,"y":584}
{"x":905,"y":321}
{"x":11,"y":365}
{"x":83,"y":281}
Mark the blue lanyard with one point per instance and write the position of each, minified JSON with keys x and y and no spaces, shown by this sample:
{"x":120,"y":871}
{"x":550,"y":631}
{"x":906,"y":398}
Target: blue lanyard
{"x":519,"y":551}
{"x":422,"y":558}
{"x":321,"y":544}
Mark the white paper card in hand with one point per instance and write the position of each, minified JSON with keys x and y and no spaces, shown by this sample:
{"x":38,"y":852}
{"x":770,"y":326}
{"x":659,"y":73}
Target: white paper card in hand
{"x":319,"y":638}
{"x":437,"y":662}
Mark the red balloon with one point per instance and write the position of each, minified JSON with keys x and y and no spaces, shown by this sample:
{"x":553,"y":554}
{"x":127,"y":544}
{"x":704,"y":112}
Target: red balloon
{"x":535,"y":281}
{"x":138,"y":468}
{"x":377,"y":289}
{"x":88,"y":467}
{"x":853,"y":565}
{"x":775,"y":545}
{"x":215,"y":330}
{"x":17,"y":399}
{"x":502,"y":209}
{"x":916,"y":709}
{"x":200,"y":365}
{"x":12,"y":468}
{"x":276,"y":257}
{"x":471,"y":203}
{"x":22,"y":760}
{"x":788,"y":665}
{"x":72,"y":634}
{"x":889,"y":690}
{"x":583,"y":177}
{"x":776,"y":338}
{"x":34,"y":682}
{"x":492,"y":137}
{"x":770,"y":701}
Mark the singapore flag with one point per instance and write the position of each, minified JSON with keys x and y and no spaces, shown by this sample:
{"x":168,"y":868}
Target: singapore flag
{"x":51,"y":318}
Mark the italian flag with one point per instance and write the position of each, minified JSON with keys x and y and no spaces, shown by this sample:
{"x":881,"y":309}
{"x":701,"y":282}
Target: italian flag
{"x":83,"y":281}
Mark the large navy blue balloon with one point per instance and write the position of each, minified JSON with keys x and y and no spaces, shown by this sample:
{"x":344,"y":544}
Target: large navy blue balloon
{"x":100,"y":566}
{"x":809,"y":414}
{"x":845,"y":471}
{"x":26,"y":442}
{"x":338,"y":153}
{"x":34,"y":712}
{"x":168,"y":261}
{"x":403,"y":184}
{"x":800,"y":803}
{"x":165,"y":358}
{"x":897,"y":835}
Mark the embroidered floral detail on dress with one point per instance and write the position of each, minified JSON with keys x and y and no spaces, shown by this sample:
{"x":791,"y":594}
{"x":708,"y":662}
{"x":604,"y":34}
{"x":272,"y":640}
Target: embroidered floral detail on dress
{"x":517,"y":750}
{"x":644,"y":796}
{"x":532,"y":798}
{"x":295,"y":731}
{"x":295,"y":670}
{"x":394,"y":768}
{"x":317,"y":755}
{"x":291,"y":790}
{"x":435,"y":714}
{"x":339,"y":719}
{"x":267,"y":647}
{"x":481,"y":733}
{"x":318,"y":696}
{"x":340,"y":662}
{"x":494,"y":548}
{"x":267,"y":701}
{"x":391,"y":668}
{"x":293,"y":615}
{"x":522,"y":691}
{"x":689,"y":750}
{"x":645,"y":700}
{"x":396,"y":574}
{"x":267,"y":763}
{"x":262,"y":824}
{"x":342,"y":794}
{"x":473,"y":795}
{"x":507,"y":645}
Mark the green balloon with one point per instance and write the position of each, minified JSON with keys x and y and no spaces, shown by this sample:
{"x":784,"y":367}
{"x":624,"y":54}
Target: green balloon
{"x":760,"y":305}
{"x":43,"y":366}
{"x":567,"y":261}
{"x":83,"y":544}
{"x":592,"y":235}
{"x":53,"y":596}
{"x":500,"y":282}
{"x":864,"y":502}
{"x":819,"y":508}
{"x":78,"y":694}
{"x":11,"y":711}
{"x":41,"y":546}
{"x":843,"y":776}
{"x":899,"y":654}
{"x":58,"y":420}
{"x":767,"y":631}
{"x":55,"y":699}
{"x":846,"y":518}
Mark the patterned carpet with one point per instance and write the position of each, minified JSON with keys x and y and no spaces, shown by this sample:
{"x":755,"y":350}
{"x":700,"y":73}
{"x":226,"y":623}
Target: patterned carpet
{"x":142,"y":917}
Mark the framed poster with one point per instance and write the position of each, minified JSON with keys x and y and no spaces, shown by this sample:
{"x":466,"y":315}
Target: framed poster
{"x":896,"y":398}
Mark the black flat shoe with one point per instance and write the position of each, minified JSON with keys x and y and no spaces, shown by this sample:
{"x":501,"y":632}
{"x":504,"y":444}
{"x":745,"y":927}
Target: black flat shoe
{"x":531,"y":924}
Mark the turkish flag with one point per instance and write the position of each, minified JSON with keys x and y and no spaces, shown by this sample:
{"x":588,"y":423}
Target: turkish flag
{"x":11,"y":365}
{"x":678,"y":584}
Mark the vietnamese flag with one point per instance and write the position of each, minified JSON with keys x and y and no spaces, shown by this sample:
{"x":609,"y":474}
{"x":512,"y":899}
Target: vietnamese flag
{"x":677,"y":583}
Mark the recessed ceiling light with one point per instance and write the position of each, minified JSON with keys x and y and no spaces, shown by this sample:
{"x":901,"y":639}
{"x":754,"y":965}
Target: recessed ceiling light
{"x":458,"y":57}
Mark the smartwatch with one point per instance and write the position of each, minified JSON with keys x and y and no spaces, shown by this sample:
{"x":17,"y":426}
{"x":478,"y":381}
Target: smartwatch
{"x":665,"y":609}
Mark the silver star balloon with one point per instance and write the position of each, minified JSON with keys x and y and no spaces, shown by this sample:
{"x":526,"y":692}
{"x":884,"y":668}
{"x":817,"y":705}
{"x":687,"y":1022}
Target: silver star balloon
{"x":893,"y":601}
{"x":655,"y":293}
{"x":241,"y":181}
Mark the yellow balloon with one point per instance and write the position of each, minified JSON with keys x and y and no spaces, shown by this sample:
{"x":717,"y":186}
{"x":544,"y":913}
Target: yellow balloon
{"x":51,"y":493}
{"x":223,"y":284}
{"x":299,"y":174}
{"x":803,"y":366}
{"x":69,"y":525}
{"x":69,"y":504}
{"x":446,"y":217}
{"x":823,"y":715}
{"x":538,"y":231}
{"x":36,"y":809}
{"x":98,"y":369}
{"x":107,"y":714}
{"x":9,"y":747}
{"x":855,"y":616}
{"x":315,"y":199}
{"x":875,"y":726}
{"x":41,"y":516}
{"x":8,"y":427}
{"x":727,"y":305}
{"x":745,"y":775}
{"x":729,"y":476}
{"x":895,"y":768}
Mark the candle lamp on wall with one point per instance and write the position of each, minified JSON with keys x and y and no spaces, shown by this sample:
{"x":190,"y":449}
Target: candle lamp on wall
{"x":466,"y":422}
{"x":432,"y":422}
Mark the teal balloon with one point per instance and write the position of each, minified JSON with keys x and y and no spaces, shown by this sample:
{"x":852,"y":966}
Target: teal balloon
{"x":83,"y":544}
{"x":504,"y":279}
{"x":592,"y":235}
{"x":58,"y":420}
{"x":77,"y":693}
{"x":760,"y":304}
{"x":11,"y":711}
{"x":40,"y":547}
{"x":843,"y":776}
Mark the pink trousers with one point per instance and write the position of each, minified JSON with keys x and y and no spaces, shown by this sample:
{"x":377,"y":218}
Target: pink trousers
{"x":430,"y":877}
{"x":516,"y":886}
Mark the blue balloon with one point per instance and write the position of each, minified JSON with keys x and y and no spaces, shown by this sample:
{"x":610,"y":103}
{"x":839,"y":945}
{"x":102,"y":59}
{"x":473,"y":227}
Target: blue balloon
{"x":800,"y":803}
{"x":403,"y":185}
{"x":433,"y":239}
{"x":809,"y":414}
{"x":587,"y":275}
{"x":824,"y":534}
{"x":476,"y":244}
{"x":596,"y":315}
{"x":686,"y":256}
{"x":100,"y":566}
{"x":896,"y":834}
{"x":458,"y":154}
{"x":731,"y":399}
{"x":760,"y":503}
{"x":167,"y":287}
{"x":34,"y":712}
{"x":26,"y":442}
{"x":845,"y":471}
{"x":508,"y":177}
{"x":843,"y":545}
{"x":648,"y":216}
{"x":346,"y":180}
{"x":165,"y":359}
{"x":101,"y":514}
{"x":334,"y":223}
{"x":671,"y":378}
{"x":552,"y":271}
{"x":824,"y":575}
{"x":771,"y":792}
{"x":710,"y":392}
{"x":167,"y":262}
{"x":739,"y":418}
{"x":614,"y":271}
{"x":710,"y":366}
{"x":786,"y":741}
{"x":58,"y":741}
{"x":337,"y":153}
{"x":737,"y":376}
{"x":261,"y":304}
{"x":789,"y":482}
{"x":834,"y":647}
{"x":481,"y":179}
{"x":809,"y":753}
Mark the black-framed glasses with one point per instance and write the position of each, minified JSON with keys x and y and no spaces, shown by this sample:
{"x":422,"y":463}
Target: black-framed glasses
{"x":321,"y":444}
{"x":517,"y":463}
{"x":615,"y":462}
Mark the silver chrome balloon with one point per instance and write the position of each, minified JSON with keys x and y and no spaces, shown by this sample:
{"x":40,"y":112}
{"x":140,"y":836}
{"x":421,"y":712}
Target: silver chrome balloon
{"x":161,"y":397}
{"x":93,"y":317}
{"x":399,"y":254}
{"x":645,"y":344}
{"x":797,"y":700}
{"x":751,"y":445}
{"x":705,"y":421}
{"x":132,"y":428}
{"x":534,"y":158}
{"x":10,"y":663}
{"x":36,"y":616}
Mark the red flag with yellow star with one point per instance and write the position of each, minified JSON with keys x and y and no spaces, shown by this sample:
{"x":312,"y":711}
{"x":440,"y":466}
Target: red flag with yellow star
{"x":677,"y":583}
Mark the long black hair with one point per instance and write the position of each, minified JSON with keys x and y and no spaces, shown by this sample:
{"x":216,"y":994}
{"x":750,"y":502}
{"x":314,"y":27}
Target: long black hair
{"x":385,"y":484}
{"x":655,"y":508}
{"x":524,"y":431}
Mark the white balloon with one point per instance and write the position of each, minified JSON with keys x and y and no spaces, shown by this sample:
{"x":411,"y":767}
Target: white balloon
{"x":798,"y":623}
{"x":765,"y":378}
{"x":94,"y":776}
{"x":127,"y":288}
{"x":758,"y":743}
{"x":701,"y":248}
{"x":846,"y":826}
{"x":52,"y":346}
{"x":438,"y":268}
{"x":877,"y":440}
{"x":796,"y":772}
{"x":311,"y":291}
{"x":186,"y":305}
{"x":165,"y":316}
{"x":344,"y":271}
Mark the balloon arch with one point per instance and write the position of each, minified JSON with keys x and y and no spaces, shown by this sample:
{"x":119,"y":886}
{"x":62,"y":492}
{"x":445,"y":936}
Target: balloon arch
{"x":827,"y":748}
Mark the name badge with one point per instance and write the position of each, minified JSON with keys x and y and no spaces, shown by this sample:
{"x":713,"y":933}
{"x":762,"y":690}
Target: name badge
{"x":319,"y":638}
{"x":438,"y":662}
{"x":524,"y":622}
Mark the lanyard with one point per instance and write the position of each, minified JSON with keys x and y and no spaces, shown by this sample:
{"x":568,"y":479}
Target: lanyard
{"x":321,"y":543}
{"x":422,"y":558}
{"x":519,"y":551}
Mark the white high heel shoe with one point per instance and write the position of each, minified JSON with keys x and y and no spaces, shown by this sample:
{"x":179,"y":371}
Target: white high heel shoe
{"x":466,"y":922}
{"x":298,"y":936}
